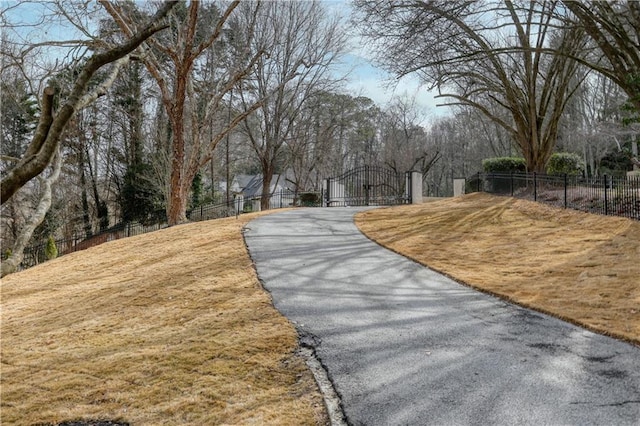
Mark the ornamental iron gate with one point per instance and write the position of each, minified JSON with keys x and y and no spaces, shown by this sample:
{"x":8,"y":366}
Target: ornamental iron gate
{"x":368,"y":186}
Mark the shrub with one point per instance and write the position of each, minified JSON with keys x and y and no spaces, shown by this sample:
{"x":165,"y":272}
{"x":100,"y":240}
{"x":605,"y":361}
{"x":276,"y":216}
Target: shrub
{"x":616,"y":163}
{"x":473,"y":184}
{"x":309,"y":199}
{"x":51,"y":251}
{"x":504,"y":165}
{"x":562,"y":163}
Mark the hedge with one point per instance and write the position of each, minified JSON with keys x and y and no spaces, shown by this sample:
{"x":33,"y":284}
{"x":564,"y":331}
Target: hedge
{"x":504,"y":165}
{"x":562,"y":163}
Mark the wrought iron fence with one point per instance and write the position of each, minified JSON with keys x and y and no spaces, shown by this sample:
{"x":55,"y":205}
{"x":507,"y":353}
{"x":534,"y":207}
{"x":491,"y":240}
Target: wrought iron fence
{"x":604,"y":195}
{"x":369,"y":186}
{"x":35,"y":254}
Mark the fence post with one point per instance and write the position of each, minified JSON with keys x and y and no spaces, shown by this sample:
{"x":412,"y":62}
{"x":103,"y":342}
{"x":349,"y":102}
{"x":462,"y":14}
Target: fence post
{"x":512,"y":183}
{"x":535,"y":186}
{"x":606,"y":198}
{"x":635,"y":184}
{"x":478,"y":180}
{"x":328,"y":194}
{"x":565,"y":190}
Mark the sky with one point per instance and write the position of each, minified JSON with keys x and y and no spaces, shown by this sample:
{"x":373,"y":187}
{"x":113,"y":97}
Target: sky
{"x":364,"y":77}
{"x":373,"y":82}
{"x":367,"y":79}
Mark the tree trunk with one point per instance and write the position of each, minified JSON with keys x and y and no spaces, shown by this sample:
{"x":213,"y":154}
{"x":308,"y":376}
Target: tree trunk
{"x":177,"y":208}
{"x":102,"y":211}
{"x":10,"y":265}
{"x":265,"y":198}
{"x":46,"y":140}
{"x":86,"y":216}
{"x":176,"y":204}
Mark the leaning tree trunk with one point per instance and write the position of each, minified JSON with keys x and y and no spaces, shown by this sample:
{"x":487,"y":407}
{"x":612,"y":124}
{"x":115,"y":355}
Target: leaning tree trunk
{"x":46,"y":139}
{"x":10,"y":265}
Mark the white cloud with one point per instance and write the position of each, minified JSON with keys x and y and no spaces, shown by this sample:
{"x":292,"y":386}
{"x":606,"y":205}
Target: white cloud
{"x":366,"y":79}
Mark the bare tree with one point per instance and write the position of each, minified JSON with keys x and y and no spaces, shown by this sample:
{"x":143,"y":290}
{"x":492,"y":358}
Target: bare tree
{"x":490,"y":56}
{"x":334,"y":132}
{"x":404,"y":140}
{"x":57,"y":110}
{"x":593,"y":122}
{"x":45,"y":141}
{"x":10,"y":265}
{"x":18,"y":117}
{"x":614,"y":26}
{"x":173,"y":61}
{"x":308,"y":142}
{"x":314,"y":141}
{"x":304,"y":44}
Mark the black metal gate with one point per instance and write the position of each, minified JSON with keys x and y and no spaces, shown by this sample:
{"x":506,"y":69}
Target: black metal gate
{"x":368,"y":186}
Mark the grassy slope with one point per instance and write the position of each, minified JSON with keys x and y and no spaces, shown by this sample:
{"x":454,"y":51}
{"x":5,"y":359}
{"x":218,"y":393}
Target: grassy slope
{"x":580,"y":267}
{"x":173,"y":327}
{"x":170,"y":327}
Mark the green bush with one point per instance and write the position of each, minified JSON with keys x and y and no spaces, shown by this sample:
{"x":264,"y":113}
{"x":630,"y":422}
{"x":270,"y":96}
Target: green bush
{"x":616,"y":162}
{"x":309,"y":199}
{"x":562,"y":163}
{"x":473,"y":184}
{"x":51,"y":251}
{"x":504,"y":165}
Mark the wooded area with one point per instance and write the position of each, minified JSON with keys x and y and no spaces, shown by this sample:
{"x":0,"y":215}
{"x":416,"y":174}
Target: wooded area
{"x":119,"y":111}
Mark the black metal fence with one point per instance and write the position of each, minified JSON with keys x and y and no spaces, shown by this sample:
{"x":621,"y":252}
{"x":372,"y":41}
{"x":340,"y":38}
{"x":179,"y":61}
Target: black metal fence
{"x":604,"y":195}
{"x":35,"y":254}
{"x":241,"y":204}
{"x":368,"y":186}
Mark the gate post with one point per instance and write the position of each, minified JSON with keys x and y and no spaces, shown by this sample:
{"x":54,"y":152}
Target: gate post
{"x":327,"y":191}
{"x":459,"y":186}
{"x":367,"y":185}
{"x":415,"y":191}
{"x":407,"y":189}
{"x":606,"y":198}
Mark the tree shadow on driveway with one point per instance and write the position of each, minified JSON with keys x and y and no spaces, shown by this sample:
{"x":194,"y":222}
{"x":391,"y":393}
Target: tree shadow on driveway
{"x":405,"y":345}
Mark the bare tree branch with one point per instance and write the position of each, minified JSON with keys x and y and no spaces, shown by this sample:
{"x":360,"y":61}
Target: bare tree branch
{"x":50,"y":128}
{"x":513,"y":64}
{"x":615,"y":30}
{"x":11,"y":264}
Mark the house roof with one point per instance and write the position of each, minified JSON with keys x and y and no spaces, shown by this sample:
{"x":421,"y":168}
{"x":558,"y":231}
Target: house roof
{"x":242,"y":180}
{"x":254,"y":187}
{"x":251,"y":185}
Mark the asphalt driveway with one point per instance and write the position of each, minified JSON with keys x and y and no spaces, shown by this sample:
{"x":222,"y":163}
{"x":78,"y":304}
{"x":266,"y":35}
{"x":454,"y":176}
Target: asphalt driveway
{"x":404,"y":345}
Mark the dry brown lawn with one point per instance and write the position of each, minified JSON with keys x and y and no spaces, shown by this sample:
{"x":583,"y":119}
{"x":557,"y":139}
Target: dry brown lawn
{"x":173,"y":327}
{"x":169,"y":328}
{"x":580,"y":267}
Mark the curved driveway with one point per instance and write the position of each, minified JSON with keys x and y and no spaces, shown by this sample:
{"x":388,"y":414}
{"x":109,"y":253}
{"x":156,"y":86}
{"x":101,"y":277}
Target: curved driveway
{"x":404,"y":345}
